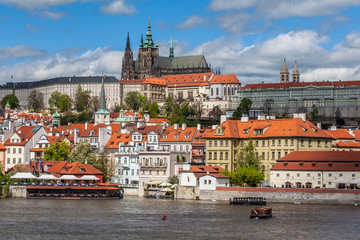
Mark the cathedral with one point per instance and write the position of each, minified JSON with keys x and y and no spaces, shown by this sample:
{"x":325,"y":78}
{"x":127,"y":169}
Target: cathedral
{"x":149,"y":63}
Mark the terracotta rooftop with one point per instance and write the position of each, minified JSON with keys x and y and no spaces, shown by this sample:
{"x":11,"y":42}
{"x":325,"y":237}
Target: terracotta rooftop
{"x":340,"y":134}
{"x":156,"y":81}
{"x":178,"y":135}
{"x":225,"y":78}
{"x":118,"y":138}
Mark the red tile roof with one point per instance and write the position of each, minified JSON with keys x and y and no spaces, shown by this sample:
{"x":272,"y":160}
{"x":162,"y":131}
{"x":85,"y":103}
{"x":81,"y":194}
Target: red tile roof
{"x":357,"y":134}
{"x":158,"y":120}
{"x":2,"y":147}
{"x":178,"y":135}
{"x":118,"y":138}
{"x":182,"y":80}
{"x":342,"y":144}
{"x":133,"y":114}
{"x":147,"y":129}
{"x":204,"y":169}
{"x":24,"y":133}
{"x":224,"y":79}
{"x":340,"y":134}
{"x":75,"y":168}
{"x":200,"y":136}
{"x":289,"y":127}
{"x":156,"y":81}
{"x":319,"y":161}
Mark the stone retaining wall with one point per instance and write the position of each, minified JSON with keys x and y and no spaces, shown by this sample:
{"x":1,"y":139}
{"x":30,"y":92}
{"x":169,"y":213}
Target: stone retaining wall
{"x":18,"y":191}
{"x":328,"y":196}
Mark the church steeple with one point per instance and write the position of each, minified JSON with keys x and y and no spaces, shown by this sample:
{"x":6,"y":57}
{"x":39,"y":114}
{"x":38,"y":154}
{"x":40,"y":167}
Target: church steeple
{"x":149,"y":42}
{"x":141,"y":42}
{"x":296,"y":73}
{"x":284,"y":73}
{"x":171,"y":52}
{"x":102,"y":95}
{"x":128,"y":43}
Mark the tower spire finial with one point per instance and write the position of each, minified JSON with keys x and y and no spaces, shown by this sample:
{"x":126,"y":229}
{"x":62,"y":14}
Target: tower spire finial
{"x":171,"y":52}
{"x":128,"y":43}
{"x":102,"y":94}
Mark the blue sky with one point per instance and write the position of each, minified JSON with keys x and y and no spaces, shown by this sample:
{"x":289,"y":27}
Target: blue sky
{"x":51,"y":38}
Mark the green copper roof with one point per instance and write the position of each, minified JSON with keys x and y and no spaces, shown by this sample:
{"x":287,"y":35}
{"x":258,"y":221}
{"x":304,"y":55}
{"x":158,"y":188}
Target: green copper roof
{"x":149,"y":43}
{"x":56,"y":115}
{"x":7,"y":104}
{"x":102,"y":111}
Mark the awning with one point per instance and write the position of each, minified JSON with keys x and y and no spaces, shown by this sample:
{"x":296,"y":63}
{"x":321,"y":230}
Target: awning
{"x":166,"y":190}
{"x":47,"y":177}
{"x":341,"y":180}
{"x":355,"y":181}
{"x":154,"y":182}
{"x":68,"y":177}
{"x":89,"y":177}
{"x":23,"y":175}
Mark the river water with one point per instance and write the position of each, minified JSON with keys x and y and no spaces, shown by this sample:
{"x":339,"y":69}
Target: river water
{"x":140,"y":218}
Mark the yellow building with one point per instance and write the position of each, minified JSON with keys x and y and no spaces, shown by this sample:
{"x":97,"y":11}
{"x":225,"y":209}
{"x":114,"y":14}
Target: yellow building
{"x":273,"y":139}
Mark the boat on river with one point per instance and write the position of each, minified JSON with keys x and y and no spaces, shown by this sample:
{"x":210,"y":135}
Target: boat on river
{"x":262,"y":212}
{"x":248,"y":201}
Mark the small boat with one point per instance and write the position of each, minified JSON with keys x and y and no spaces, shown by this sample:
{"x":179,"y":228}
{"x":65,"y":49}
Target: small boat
{"x":248,"y":201}
{"x":262,"y":212}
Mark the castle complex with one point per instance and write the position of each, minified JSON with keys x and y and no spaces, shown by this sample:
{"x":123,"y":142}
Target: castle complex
{"x":149,"y":63}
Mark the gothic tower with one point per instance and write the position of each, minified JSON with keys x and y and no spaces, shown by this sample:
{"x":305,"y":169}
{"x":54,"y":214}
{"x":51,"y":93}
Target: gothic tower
{"x":102,"y":115}
{"x":284,"y":73}
{"x":148,"y":52}
{"x":296,"y":74}
{"x":127,"y":71}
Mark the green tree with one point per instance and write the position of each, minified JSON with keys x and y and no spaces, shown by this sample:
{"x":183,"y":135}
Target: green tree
{"x":154,"y":110}
{"x":243,"y":108}
{"x":54,"y":99}
{"x":12,"y":99}
{"x":57,"y":152}
{"x":314,"y":113}
{"x":35,"y":100}
{"x":64,"y":103}
{"x":245,"y":175}
{"x":248,"y":156}
{"x":177,"y":117}
{"x":135,"y":100}
{"x":81,"y":99}
{"x":174,"y":180}
{"x":168,"y":105}
{"x":94,"y":103}
{"x":106,"y":165}
{"x":82,"y":153}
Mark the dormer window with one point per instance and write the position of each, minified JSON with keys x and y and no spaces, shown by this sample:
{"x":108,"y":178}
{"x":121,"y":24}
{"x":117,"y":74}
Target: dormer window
{"x":176,"y":136}
{"x":82,"y":170}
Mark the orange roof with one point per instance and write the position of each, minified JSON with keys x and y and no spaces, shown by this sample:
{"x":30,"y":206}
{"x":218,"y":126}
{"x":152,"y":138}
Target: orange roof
{"x":2,"y":147}
{"x":93,"y":130}
{"x":178,"y":135}
{"x":147,"y":129}
{"x":133,"y":114}
{"x":357,"y":134}
{"x":225,"y":78}
{"x":117,"y":138}
{"x":319,"y":161}
{"x":300,"y":84}
{"x":200,"y":135}
{"x":25,"y":133}
{"x":156,"y":81}
{"x":289,"y":127}
{"x":75,"y":168}
{"x":158,"y":120}
{"x":194,"y":79}
{"x":204,"y":169}
{"x":340,"y":134}
{"x":342,"y":144}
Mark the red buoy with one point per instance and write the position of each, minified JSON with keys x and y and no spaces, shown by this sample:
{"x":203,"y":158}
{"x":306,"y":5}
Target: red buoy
{"x":163,"y":217}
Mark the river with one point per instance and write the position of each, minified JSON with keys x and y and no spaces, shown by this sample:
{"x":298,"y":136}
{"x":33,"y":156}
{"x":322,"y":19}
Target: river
{"x":140,"y":218}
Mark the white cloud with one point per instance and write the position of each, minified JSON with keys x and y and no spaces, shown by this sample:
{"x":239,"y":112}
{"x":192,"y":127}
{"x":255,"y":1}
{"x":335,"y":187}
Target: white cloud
{"x":263,"y":61}
{"x":219,"y":5}
{"x":118,"y":7}
{"x":20,"y":51}
{"x":91,"y":62}
{"x":192,"y":22}
{"x":36,"y":4}
{"x":53,"y":15}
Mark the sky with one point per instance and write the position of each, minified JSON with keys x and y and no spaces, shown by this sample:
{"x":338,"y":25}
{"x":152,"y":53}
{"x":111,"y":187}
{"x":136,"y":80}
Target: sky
{"x":42,"y":39}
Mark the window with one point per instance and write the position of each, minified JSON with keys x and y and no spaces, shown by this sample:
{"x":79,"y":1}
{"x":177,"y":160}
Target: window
{"x":292,"y":142}
{"x":132,"y":172}
{"x":205,"y":182}
{"x":273,"y":155}
{"x":215,"y":155}
{"x":353,"y":175}
{"x":319,"y":143}
{"x":279,"y":154}
{"x":226,"y":143}
{"x":221,"y":155}
{"x":286,"y":142}
{"x":14,"y":150}
{"x":263,"y":143}
{"x":14,"y":160}
{"x":209,"y":181}
{"x":330,"y":174}
{"x":8,"y":150}
{"x":221,"y":143}
{"x":273,"y":143}
{"x":19,"y":160}
{"x":277,"y":175}
{"x":340,"y":175}
{"x":8,"y":160}
{"x":302,"y":142}
{"x":308,"y":174}
{"x":227,"y":156}
{"x":256,"y":143}
{"x":210,"y":155}
{"x":298,"y":174}
{"x":210,"y":143}
{"x":279,"y":143}
{"x":215,"y":143}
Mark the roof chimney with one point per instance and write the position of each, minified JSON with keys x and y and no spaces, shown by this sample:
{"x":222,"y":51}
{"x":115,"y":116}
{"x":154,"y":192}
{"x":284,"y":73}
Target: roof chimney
{"x":198,"y":126}
{"x":244,"y":119}
{"x":176,"y":126}
{"x":86,"y":125}
{"x":183,"y":126}
{"x":223,"y":118}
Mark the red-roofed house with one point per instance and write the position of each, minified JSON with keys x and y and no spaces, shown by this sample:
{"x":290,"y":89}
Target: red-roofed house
{"x":19,"y":145}
{"x":203,"y":177}
{"x":316,"y":169}
{"x":76,"y":168}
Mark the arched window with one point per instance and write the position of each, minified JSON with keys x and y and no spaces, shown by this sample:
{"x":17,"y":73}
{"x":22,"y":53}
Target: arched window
{"x":217,"y":91}
{"x":212,"y":92}
{"x":229,"y":93}
{"x":224,"y":90}
{"x":232,"y":90}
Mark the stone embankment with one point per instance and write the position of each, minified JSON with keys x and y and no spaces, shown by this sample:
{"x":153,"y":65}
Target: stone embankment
{"x":285,"y":195}
{"x":18,"y":191}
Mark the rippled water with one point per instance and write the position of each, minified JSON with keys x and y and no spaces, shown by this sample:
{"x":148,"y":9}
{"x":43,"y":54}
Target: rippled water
{"x":139,"y":218}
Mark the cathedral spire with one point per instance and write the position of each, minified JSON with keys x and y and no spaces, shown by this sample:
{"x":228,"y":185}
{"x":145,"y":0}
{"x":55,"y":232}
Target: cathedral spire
{"x":149,"y":42}
{"x":171,"y":53}
{"x":141,"y":42}
{"x":284,"y":73}
{"x":296,"y":73}
{"x":102,"y":95}
{"x":128,"y":43}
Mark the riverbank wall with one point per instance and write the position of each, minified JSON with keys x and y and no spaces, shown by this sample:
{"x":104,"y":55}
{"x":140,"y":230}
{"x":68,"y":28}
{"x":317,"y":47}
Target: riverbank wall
{"x":18,"y":191}
{"x":284,"y":195}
